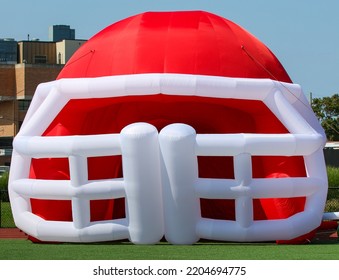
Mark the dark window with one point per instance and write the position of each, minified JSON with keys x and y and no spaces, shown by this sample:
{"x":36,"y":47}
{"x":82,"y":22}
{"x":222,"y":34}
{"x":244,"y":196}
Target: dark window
{"x":40,"y":59}
{"x":23,"y":105}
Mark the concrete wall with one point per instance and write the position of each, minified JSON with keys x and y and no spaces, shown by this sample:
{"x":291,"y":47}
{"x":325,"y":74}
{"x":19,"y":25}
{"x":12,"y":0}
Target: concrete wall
{"x":66,"y":48}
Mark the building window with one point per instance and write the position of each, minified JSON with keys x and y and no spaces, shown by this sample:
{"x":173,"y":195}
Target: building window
{"x":23,"y":105}
{"x":40,"y":59}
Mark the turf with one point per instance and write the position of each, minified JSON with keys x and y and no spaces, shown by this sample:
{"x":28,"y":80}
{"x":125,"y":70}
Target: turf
{"x":13,"y":249}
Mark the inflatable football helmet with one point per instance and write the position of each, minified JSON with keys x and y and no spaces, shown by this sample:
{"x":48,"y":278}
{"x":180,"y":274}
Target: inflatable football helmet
{"x":175,"y":124}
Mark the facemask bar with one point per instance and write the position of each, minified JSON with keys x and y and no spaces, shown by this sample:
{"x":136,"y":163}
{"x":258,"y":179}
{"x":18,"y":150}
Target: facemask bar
{"x":137,"y":143}
{"x":180,"y":146}
{"x":51,"y":97}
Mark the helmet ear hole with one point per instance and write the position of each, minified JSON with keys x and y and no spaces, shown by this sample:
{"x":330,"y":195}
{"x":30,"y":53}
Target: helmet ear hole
{"x":278,"y":167}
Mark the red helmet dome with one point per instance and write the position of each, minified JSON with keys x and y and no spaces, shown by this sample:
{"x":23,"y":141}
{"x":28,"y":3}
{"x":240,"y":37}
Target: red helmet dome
{"x":188,"y":42}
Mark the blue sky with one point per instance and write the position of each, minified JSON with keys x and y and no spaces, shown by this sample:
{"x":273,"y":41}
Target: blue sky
{"x":304,"y":35}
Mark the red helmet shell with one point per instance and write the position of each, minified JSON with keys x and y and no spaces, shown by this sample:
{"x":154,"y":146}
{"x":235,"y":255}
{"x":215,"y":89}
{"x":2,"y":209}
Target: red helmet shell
{"x":188,"y":42}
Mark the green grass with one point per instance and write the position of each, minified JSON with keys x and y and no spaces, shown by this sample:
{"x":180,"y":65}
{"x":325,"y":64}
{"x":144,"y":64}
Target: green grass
{"x":333,"y":176}
{"x":13,"y":249}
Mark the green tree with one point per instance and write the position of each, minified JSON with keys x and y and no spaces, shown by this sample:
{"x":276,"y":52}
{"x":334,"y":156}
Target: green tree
{"x":327,"y":112}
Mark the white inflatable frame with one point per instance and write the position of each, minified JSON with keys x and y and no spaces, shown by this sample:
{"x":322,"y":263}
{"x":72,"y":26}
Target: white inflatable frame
{"x":161,"y":184}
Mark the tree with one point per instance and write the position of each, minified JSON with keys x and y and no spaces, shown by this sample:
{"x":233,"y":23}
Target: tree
{"x":327,"y":112}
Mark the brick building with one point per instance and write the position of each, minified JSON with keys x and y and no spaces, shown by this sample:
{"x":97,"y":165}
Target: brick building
{"x":37,"y":62}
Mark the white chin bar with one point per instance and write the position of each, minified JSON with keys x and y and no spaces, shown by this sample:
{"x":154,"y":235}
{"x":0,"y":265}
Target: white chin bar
{"x":169,"y":201}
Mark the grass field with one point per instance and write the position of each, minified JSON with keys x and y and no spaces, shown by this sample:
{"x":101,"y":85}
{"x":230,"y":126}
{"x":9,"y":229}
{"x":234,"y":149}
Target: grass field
{"x":13,"y":249}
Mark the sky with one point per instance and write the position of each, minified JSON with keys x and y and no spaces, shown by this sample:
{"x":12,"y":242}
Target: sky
{"x":303,"y":34}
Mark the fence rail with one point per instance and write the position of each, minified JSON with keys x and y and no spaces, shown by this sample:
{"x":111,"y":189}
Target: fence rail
{"x":6,"y":218}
